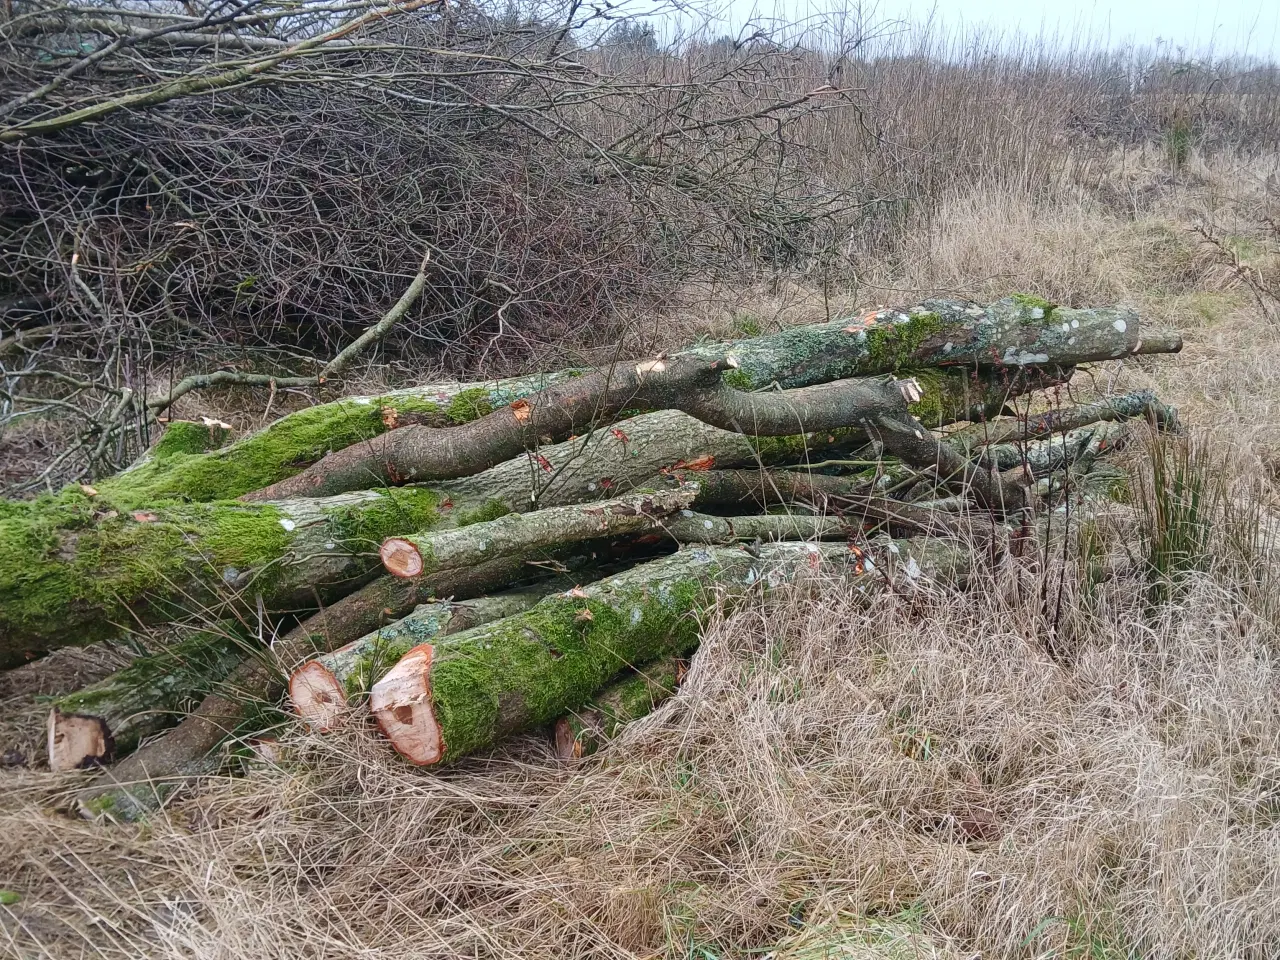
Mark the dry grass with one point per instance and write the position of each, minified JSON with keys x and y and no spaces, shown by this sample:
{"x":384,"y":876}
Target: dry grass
{"x":961,"y":774}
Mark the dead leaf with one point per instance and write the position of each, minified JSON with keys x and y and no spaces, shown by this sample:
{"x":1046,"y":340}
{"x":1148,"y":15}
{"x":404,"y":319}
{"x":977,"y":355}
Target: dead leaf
{"x":576,"y":592}
{"x":390,"y":417}
{"x":584,"y":615}
{"x":143,"y":517}
{"x":522,"y":410}
{"x":87,"y":490}
{"x":701,"y":463}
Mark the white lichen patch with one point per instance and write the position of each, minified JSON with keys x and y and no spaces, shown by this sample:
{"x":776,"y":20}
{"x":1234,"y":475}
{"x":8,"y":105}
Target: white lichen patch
{"x":1120,"y":326}
{"x":288,"y":524}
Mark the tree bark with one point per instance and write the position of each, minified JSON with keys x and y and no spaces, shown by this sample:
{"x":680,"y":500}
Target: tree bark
{"x":323,"y":689}
{"x":72,"y":572}
{"x":582,"y":732}
{"x":107,"y":719}
{"x":422,"y":454}
{"x":442,"y":701}
{"x":428,"y":553}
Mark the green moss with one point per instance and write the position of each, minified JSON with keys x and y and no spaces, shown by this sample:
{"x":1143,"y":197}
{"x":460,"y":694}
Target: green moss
{"x":893,"y":346}
{"x":9,"y":897}
{"x":187,"y":436}
{"x":1032,"y":302}
{"x":738,"y":379}
{"x":470,"y":405}
{"x":528,"y":669}
{"x":81,"y":565}
{"x":100,"y":805}
{"x":280,"y":450}
{"x":406,"y":510}
{"x":491,"y":509}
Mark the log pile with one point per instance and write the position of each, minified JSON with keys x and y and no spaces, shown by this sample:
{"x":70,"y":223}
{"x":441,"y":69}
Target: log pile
{"x":462,"y":562}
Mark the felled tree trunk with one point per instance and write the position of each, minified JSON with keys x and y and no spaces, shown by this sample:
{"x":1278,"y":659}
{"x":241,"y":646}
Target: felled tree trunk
{"x":442,"y":701}
{"x":322,"y":689}
{"x":298,"y":440}
{"x":72,"y":571}
{"x":585,"y":730}
{"x":429,"y":553}
{"x":94,"y":725}
{"x":996,"y":342}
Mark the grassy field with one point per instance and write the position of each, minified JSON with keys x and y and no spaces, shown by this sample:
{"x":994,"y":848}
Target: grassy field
{"x":1079,"y":761}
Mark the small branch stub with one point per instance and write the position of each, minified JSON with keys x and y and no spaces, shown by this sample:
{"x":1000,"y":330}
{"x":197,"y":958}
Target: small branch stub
{"x":401,"y":558}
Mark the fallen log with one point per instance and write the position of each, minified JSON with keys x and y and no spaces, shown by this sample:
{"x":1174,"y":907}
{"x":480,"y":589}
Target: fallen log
{"x":940,"y":333}
{"x":429,"y":553}
{"x":107,"y":719}
{"x":73,"y":571}
{"x":998,"y":342}
{"x":323,"y":689}
{"x":421,"y":454}
{"x":582,"y":732}
{"x":442,"y":701}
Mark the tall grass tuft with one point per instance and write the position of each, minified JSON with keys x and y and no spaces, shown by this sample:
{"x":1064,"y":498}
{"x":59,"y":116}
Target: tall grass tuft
{"x":1180,"y":494}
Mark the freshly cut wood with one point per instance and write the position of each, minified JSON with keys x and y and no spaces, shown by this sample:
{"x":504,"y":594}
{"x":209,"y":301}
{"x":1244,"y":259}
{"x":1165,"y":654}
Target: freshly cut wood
{"x":585,"y":730}
{"x":442,"y":701}
{"x":322,"y":689}
{"x":412,"y":556}
{"x":94,"y":725}
{"x":73,"y":569}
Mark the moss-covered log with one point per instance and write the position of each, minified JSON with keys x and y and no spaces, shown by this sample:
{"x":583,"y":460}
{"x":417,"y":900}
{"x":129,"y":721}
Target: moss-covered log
{"x":713,"y":383}
{"x":73,"y":568}
{"x":298,"y":440}
{"x":95,"y":725}
{"x":141,"y":781}
{"x":322,"y":690}
{"x":428,"y":553}
{"x":422,"y":454}
{"x":585,"y":730}
{"x":442,"y":701}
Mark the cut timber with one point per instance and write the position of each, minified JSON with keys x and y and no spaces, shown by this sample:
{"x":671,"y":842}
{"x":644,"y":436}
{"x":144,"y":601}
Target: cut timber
{"x":411,"y":556}
{"x":1012,"y":334}
{"x":445,"y":700}
{"x":139,"y":784}
{"x":427,"y":454}
{"x":691,"y":527}
{"x":71,"y":569}
{"x":1129,"y":406}
{"x":298,"y":440}
{"x":322,"y":689}
{"x":585,"y":730}
{"x":94,"y":725}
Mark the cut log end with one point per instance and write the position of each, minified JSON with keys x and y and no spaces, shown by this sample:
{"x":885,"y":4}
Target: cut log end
{"x":401,"y":558}
{"x":317,"y":696}
{"x":77,"y":742}
{"x":565,"y":741}
{"x":401,"y":703}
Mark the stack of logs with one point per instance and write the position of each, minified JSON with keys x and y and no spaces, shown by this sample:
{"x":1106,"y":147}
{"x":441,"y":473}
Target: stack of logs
{"x":465,"y":561}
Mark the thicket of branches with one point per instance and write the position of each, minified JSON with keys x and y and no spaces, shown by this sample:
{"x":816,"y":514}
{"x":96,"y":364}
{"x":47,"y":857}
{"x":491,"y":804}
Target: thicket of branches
{"x":248,"y":185}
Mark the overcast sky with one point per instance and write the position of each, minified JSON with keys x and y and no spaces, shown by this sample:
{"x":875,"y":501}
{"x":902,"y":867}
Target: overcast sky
{"x":1227,"y":26}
